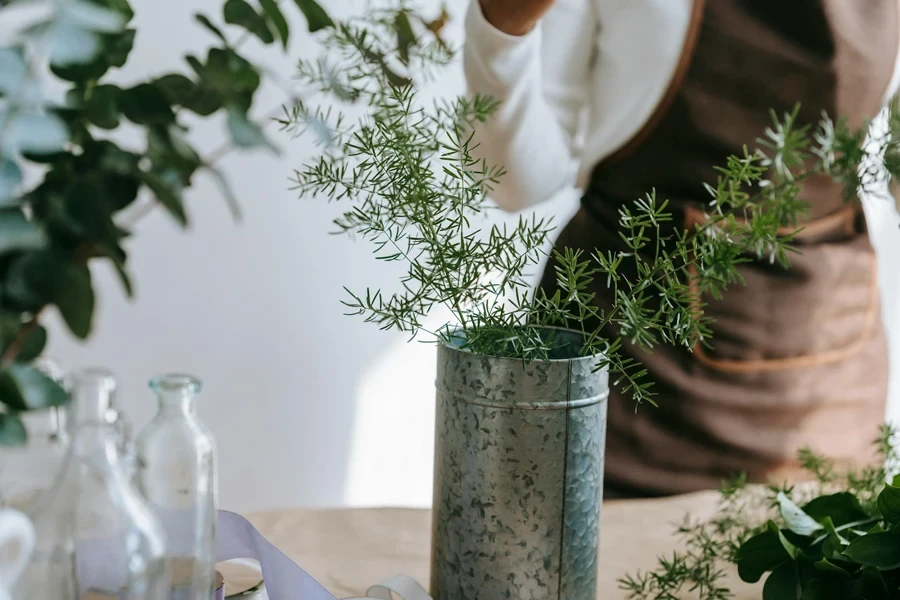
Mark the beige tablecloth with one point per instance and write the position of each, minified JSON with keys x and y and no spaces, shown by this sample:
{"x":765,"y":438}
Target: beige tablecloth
{"x":349,"y":550}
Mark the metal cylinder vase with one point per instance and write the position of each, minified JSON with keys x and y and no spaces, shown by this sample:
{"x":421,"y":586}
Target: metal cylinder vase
{"x":518,"y":479}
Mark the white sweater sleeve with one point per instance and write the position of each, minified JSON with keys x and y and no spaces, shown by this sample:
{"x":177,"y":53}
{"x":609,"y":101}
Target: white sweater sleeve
{"x":541,"y":80}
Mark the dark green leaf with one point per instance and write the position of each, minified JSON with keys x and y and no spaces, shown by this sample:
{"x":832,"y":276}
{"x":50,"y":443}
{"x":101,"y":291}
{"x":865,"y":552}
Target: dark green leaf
{"x":783,"y":584}
{"x":834,"y":544}
{"x":797,"y":521}
{"x":225,"y":187}
{"x":11,"y":328}
{"x":167,"y":194}
{"x":203,"y":20}
{"x":75,"y":298}
{"x":316,"y":17}
{"x":18,"y":233}
{"x":875,"y":587}
{"x":114,"y":51}
{"x":245,"y":133}
{"x":181,"y":91}
{"x":880,"y":550}
{"x":238,"y":12}
{"x":12,"y":431}
{"x":33,"y":345}
{"x":171,"y":154}
{"x":406,"y":37}
{"x":177,"y":88}
{"x":10,"y":180}
{"x":830,"y":569}
{"x":843,"y":508}
{"x":102,"y":108}
{"x":86,"y":213}
{"x":145,"y":104}
{"x":760,"y":554}
{"x":889,"y":503}
{"x":25,"y":388}
{"x":276,"y":17}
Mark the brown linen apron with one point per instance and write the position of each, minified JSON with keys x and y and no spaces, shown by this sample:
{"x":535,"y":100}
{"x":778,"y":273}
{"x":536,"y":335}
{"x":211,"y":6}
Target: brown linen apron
{"x":799,"y":356}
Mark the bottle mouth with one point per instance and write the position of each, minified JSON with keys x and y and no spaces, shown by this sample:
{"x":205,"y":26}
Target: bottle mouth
{"x":176,"y":383}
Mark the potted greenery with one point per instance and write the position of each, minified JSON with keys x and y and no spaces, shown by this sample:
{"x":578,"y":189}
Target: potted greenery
{"x":521,"y":403}
{"x":834,"y":538}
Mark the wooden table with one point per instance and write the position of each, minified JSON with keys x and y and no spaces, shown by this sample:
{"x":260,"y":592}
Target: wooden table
{"x":349,"y":550}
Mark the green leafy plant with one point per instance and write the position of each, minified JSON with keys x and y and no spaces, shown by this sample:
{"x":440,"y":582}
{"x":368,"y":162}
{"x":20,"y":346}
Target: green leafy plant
{"x":836,"y":537}
{"x":72,"y":214}
{"x":413,"y":187}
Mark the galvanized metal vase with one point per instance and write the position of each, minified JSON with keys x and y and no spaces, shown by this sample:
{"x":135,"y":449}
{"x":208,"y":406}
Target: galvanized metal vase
{"x":518,"y":476}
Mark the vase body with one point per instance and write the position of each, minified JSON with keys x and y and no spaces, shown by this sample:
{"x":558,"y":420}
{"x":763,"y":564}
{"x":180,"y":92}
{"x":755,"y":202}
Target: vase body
{"x":518,"y":477}
{"x":32,"y":482}
{"x":176,"y":472}
{"x":119,"y":544}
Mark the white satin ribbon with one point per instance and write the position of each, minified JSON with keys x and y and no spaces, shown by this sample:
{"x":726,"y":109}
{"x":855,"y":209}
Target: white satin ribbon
{"x":284,"y":579}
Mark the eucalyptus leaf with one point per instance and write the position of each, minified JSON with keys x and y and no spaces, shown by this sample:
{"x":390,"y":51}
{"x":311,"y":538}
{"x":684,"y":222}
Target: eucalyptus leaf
{"x":889,"y":503}
{"x":102,"y":109}
{"x":34,"y":133}
{"x":880,"y":550}
{"x":114,"y":51}
{"x":167,"y":195}
{"x":70,"y":44}
{"x":75,"y":298}
{"x":18,"y":233}
{"x":276,"y":18}
{"x":92,"y":17}
{"x":25,"y":388}
{"x":12,"y":431}
{"x":204,"y":20}
{"x":316,"y":17}
{"x":10,"y":180}
{"x":146,"y":104}
{"x":12,"y":70}
{"x":245,"y":133}
{"x":177,"y":88}
{"x":33,"y":345}
{"x":239,"y":12}
{"x":225,"y":187}
{"x":797,"y":521}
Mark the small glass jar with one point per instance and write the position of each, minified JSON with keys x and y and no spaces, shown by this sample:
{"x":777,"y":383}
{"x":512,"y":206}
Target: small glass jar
{"x":119,"y":544}
{"x":176,"y":472}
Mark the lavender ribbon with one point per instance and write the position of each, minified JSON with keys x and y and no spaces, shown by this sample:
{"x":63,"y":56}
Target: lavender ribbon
{"x":236,"y":537}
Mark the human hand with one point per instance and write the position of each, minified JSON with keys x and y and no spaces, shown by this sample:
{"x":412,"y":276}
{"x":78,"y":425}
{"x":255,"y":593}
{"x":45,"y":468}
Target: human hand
{"x":515,"y":17}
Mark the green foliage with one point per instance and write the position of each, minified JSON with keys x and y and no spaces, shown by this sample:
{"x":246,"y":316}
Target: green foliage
{"x":836,"y":538}
{"x":413,"y":187}
{"x":51,"y":230}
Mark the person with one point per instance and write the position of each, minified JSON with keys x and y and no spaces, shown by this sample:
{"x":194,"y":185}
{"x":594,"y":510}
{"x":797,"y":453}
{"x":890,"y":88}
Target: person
{"x":626,"y":96}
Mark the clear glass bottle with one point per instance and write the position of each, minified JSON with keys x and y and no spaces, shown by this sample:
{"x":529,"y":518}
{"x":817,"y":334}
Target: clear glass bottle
{"x":119,"y":544}
{"x":176,"y":471}
{"x":32,"y":481}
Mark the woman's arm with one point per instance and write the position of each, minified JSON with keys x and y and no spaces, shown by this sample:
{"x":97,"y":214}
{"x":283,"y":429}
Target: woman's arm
{"x":541,"y":79}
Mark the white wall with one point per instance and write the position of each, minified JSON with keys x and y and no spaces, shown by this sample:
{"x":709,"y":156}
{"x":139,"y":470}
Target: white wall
{"x":309,"y":407}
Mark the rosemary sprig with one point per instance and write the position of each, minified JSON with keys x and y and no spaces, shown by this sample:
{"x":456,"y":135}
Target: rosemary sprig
{"x":414,"y":187}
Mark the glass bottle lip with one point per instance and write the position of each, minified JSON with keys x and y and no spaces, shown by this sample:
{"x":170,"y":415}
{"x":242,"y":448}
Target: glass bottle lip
{"x":180,"y":384}
{"x":92,"y":391}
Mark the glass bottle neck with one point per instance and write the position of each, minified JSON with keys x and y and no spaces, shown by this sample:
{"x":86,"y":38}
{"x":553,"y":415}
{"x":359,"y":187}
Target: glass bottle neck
{"x":176,"y":404}
{"x":176,"y":393}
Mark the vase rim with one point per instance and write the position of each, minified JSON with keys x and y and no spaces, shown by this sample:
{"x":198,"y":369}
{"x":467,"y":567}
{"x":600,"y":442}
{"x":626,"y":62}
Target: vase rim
{"x":459,"y":333}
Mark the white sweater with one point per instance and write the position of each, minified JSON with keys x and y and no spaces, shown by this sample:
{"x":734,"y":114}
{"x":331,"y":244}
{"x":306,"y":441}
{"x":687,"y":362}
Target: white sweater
{"x":573,"y":90}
